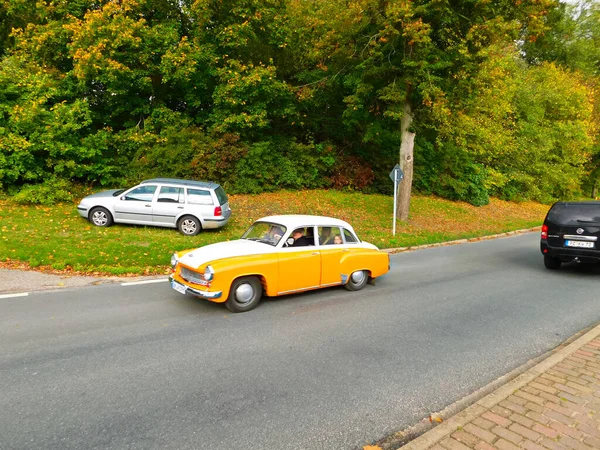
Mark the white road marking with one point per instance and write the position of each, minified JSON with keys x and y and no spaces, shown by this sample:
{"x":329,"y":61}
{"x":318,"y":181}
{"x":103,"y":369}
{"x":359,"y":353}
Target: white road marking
{"x":20,"y":294}
{"x":135,"y":283}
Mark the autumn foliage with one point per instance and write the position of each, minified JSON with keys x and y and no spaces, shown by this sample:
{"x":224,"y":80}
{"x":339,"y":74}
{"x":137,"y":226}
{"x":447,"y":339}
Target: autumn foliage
{"x":261,"y":95}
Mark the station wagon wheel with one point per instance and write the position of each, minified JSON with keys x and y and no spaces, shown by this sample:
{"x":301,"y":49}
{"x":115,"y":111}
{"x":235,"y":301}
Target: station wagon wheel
{"x":189,"y":225}
{"x":101,"y":217}
{"x":244,"y":295}
{"x":552,"y":263}
{"x":357,"y":280}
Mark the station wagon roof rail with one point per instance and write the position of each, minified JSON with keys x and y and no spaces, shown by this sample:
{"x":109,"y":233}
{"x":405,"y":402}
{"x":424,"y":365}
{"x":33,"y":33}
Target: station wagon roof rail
{"x":180,"y":182}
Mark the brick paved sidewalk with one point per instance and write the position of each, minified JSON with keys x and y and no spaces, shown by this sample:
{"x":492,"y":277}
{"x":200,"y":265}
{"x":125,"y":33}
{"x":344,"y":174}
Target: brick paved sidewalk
{"x":553,"y":406}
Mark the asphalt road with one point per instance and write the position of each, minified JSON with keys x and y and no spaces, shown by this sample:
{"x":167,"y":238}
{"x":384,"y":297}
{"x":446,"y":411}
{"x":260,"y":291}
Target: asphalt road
{"x":143,"y":367}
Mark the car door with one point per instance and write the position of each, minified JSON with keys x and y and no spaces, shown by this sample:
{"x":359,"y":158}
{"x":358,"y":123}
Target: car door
{"x":169,"y":204}
{"x":331,"y":255}
{"x":135,"y":205}
{"x":299,"y":268}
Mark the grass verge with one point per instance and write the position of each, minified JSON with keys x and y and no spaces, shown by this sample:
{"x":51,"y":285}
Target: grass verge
{"x":57,"y":239}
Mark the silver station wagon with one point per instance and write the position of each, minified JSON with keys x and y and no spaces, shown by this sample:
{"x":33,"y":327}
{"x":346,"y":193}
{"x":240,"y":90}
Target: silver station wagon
{"x":187,"y":205}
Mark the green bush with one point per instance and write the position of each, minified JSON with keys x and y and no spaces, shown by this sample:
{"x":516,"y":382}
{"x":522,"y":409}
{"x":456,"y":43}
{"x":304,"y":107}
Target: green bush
{"x":282,"y":164}
{"x":50,"y":192}
{"x":449,"y":172}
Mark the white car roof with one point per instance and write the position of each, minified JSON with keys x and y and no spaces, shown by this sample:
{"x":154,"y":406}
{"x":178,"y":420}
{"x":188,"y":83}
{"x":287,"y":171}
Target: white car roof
{"x":300,"y":220}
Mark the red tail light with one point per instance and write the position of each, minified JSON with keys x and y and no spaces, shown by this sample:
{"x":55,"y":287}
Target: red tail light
{"x":218,"y":211}
{"x":544,"y":231}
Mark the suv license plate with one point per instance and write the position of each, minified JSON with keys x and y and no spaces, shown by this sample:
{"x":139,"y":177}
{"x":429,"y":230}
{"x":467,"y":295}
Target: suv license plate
{"x":178,"y":287}
{"x":580,"y":244}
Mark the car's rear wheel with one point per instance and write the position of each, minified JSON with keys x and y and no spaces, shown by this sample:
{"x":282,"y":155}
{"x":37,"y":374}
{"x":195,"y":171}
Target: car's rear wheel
{"x":101,"y":217}
{"x":244,"y":295}
{"x":189,"y":226}
{"x":357,"y":280}
{"x":551,"y":262}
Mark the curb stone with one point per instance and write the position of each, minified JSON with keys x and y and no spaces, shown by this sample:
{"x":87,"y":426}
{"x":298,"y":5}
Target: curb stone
{"x":438,"y":436}
{"x":438,"y":433}
{"x":459,"y":241}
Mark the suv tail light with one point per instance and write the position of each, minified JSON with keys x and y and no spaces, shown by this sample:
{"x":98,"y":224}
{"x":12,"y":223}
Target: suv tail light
{"x":218,"y":211}
{"x":544,"y":231}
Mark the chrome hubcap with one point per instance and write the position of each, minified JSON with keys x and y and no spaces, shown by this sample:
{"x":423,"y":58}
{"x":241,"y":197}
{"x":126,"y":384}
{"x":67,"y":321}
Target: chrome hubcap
{"x":244,"y":293}
{"x":358,"y":277}
{"x":188,"y":226}
{"x":99,"y":218}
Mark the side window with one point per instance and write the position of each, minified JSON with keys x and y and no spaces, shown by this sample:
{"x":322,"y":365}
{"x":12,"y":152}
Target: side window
{"x":170,"y":194}
{"x":141,"y":194}
{"x":350,"y":239}
{"x":330,"y":236}
{"x":199,"y":197}
{"x":221,"y":196}
{"x":303,"y":237}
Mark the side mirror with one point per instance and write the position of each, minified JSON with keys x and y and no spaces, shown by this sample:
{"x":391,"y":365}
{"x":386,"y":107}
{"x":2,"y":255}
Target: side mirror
{"x":290,"y":241}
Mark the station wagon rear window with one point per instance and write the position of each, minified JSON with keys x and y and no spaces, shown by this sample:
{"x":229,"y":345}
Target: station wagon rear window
{"x":199,"y":197}
{"x":221,"y":195}
{"x":575,"y":214}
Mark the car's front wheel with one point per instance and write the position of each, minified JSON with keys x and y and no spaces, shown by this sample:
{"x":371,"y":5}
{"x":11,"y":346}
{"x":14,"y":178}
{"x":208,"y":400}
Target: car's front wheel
{"x":244,"y":295}
{"x":551,"y":262}
{"x":357,"y":280}
{"x":189,"y":226}
{"x":101,"y":217}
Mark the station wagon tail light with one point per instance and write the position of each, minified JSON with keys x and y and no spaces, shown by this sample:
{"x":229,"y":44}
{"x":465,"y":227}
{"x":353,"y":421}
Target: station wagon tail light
{"x":544,"y":231}
{"x":218,"y":211}
{"x":209,"y":273}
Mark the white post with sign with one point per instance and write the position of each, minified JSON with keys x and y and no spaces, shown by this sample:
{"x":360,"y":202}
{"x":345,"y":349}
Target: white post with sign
{"x":396,"y":175}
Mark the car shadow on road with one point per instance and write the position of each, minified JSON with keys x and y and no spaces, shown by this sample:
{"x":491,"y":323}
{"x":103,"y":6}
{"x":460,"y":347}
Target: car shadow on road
{"x":582,"y":269}
{"x":535,"y":261}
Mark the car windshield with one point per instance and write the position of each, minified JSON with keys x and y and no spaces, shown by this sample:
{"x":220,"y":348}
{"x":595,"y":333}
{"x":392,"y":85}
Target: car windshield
{"x":266,"y":232}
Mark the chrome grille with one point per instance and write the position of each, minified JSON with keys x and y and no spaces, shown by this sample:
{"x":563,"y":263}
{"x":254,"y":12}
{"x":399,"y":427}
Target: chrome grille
{"x":192,"y":276}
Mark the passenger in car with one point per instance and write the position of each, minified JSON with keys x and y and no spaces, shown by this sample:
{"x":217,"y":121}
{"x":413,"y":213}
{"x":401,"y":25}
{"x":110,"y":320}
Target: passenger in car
{"x":337,"y":239}
{"x":325,"y":237}
{"x":299,"y":239}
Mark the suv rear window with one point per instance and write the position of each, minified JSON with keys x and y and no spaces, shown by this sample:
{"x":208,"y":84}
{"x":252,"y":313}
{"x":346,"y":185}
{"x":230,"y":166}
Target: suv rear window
{"x":575,"y":213}
{"x":221,"y":195}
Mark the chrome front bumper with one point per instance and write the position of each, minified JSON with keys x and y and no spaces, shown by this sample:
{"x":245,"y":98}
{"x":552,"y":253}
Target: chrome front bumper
{"x":183,"y":289}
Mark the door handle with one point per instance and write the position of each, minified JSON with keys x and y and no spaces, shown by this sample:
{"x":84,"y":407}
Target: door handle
{"x":180,"y":207}
{"x":315,"y":253}
{"x":148,"y":206}
{"x":346,"y":250}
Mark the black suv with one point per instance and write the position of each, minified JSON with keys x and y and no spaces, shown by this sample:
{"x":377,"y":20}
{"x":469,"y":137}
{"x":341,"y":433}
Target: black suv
{"x":571,"y":232}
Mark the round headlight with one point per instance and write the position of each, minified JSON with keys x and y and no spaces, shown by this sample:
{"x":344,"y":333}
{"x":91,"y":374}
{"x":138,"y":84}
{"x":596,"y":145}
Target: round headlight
{"x":209,"y":273}
{"x":174,"y":259}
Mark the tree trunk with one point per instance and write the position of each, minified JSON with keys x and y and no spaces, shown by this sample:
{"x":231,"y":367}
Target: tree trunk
{"x":595,"y":189}
{"x":406,"y":163}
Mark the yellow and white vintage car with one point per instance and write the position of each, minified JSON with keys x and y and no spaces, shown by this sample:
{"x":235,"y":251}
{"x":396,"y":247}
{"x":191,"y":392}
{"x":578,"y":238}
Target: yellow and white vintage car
{"x":278,"y":255}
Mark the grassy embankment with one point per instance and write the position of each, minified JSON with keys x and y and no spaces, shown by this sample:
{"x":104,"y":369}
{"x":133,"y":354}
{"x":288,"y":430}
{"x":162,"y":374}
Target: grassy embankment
{"x":58,"y":239}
